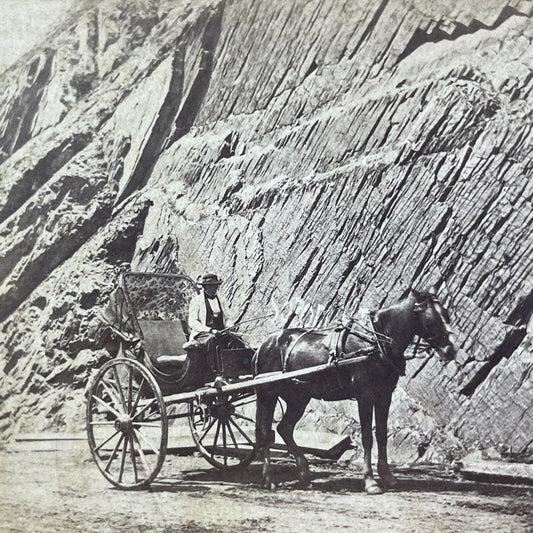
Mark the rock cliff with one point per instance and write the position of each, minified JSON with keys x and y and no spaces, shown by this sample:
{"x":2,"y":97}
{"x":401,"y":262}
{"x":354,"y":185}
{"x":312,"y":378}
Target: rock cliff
{"x":321,"y":156}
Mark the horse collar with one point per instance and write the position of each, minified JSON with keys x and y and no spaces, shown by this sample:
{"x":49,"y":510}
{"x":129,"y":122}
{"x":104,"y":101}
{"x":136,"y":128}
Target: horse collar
{"x":382,"y":351}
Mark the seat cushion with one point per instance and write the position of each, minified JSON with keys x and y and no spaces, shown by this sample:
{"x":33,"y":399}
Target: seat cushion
{"x":163,"y":337}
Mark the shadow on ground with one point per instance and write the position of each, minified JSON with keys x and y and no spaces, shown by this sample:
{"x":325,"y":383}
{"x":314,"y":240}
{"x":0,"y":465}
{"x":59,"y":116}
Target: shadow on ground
{"x":332,"y":478}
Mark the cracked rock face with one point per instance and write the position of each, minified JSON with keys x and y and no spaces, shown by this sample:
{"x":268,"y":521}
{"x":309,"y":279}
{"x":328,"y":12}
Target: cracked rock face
{"x":320,"y":156}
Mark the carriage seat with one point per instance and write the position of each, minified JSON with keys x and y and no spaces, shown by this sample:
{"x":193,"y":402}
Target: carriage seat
{"x":163,"y":341}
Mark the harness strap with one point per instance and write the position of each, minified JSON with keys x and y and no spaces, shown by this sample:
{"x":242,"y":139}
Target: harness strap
{"x":337,"y":342}
{"x":336,"y":351}
{"x":341,"y":339}
{"x":285,"y":360}
{"x":381,"y":350}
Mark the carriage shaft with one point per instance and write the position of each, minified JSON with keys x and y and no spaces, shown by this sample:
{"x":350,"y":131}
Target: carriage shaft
{"x":261,"y":379}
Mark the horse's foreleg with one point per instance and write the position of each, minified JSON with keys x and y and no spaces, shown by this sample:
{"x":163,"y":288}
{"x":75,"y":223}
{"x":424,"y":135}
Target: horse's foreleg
{"x":296,"y":405}
{"x":382,"y":415}
{"x":264,"y":434}
{"x":365,"y":419}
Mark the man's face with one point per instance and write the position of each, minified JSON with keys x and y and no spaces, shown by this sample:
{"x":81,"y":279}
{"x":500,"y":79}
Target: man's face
{"x":211,"y":289}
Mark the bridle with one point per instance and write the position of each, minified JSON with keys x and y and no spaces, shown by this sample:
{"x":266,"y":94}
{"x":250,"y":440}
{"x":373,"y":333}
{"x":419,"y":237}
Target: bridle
{"x":425,"y":333}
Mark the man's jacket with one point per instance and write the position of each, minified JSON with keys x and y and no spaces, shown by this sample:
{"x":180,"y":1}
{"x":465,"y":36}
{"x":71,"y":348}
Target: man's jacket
{"x":198,"y":314}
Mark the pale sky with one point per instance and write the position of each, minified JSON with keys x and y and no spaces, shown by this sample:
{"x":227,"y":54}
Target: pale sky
{"x":25,"y":23}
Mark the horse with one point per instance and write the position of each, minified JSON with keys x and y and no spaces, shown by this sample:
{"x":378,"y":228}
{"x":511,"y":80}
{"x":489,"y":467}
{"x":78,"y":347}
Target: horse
{"x":378,"y":359}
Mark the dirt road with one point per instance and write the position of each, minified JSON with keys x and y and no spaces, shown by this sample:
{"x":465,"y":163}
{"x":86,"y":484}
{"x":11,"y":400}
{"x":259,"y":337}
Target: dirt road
{"x":62,"y":491}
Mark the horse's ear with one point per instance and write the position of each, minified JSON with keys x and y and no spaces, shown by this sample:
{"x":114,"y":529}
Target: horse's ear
{"x":433,"y":290}
{"x":414,"y":293}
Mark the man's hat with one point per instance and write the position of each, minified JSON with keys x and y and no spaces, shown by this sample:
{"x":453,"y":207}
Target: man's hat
{"x":210,"y":279}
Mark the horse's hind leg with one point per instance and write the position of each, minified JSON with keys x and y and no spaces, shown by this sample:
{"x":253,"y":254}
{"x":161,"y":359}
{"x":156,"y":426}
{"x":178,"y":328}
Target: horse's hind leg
{"x":296,"y":405}
{"x":382,"y":415}
{"x":366,"y":407}
{"x":264,"y":434}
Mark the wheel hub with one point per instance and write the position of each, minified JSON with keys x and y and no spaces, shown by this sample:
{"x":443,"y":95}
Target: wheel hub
{"x":223,"y":410}
{"x":124,"y":423}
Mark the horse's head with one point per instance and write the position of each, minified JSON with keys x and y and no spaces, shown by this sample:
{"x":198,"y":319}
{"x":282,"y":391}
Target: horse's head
{"x":433,"y":324}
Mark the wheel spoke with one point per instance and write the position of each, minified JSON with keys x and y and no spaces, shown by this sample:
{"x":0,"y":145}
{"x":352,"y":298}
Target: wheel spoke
{"x":144,"y":408}
{"x":230,"y":431}
{"x":150,"y":420}
{"x":119,"y":387}
{"x":106,"y":441}
{"x":130,"y":383}
{"x":224,"y":442}
{"x":123,"y":460}
{"x":240,"y":404}
{"x":238,"y":415}
{"x":133,"y":460}
{"x":148,"y":424}
{"x":141,"y":455}
{"x":212,"y":423}
{"x":241,"y":431}
{"x":216,"y":436}
{"x":138,"y":397}
{"x":102,"y":423}
{"x":139,"y":433}
{"x":114,"y":453}
{"x":106,"y":405}
{"x":112,"y":393}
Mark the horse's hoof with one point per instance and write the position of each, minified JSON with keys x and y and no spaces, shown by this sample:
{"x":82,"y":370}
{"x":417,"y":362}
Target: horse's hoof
{"x":268,"y":485}
{"x":304,"y":483}
{"x":373,"y":488}
{"x":387,"y":479}
{"x":304,"y":477}
{"x":390,"y":482}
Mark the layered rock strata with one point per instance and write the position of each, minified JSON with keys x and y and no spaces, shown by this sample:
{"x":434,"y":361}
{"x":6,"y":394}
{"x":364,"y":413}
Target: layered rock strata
{"x":321,"y":156}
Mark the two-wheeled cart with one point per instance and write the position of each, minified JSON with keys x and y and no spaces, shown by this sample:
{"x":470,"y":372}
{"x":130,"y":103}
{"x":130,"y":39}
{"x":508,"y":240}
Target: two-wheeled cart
{"x":157,"y":375}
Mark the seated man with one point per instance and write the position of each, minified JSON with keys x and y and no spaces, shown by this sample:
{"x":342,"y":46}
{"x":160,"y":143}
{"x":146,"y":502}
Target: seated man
{"x":207,"y":319}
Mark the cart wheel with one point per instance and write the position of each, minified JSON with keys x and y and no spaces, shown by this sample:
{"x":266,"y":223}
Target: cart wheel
{"x":223,"y":429}
{"x":127,"y":424}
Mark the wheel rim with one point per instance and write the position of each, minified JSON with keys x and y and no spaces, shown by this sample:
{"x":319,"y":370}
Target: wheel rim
{"x":223,"y":429}
{"x":127,"y":424}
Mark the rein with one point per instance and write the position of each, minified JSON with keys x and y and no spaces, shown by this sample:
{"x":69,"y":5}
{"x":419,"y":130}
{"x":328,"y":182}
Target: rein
{"x":379,"y":341}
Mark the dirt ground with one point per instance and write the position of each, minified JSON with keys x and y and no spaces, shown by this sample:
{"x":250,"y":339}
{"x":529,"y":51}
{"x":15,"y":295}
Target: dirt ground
{"x":61,"y":490}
